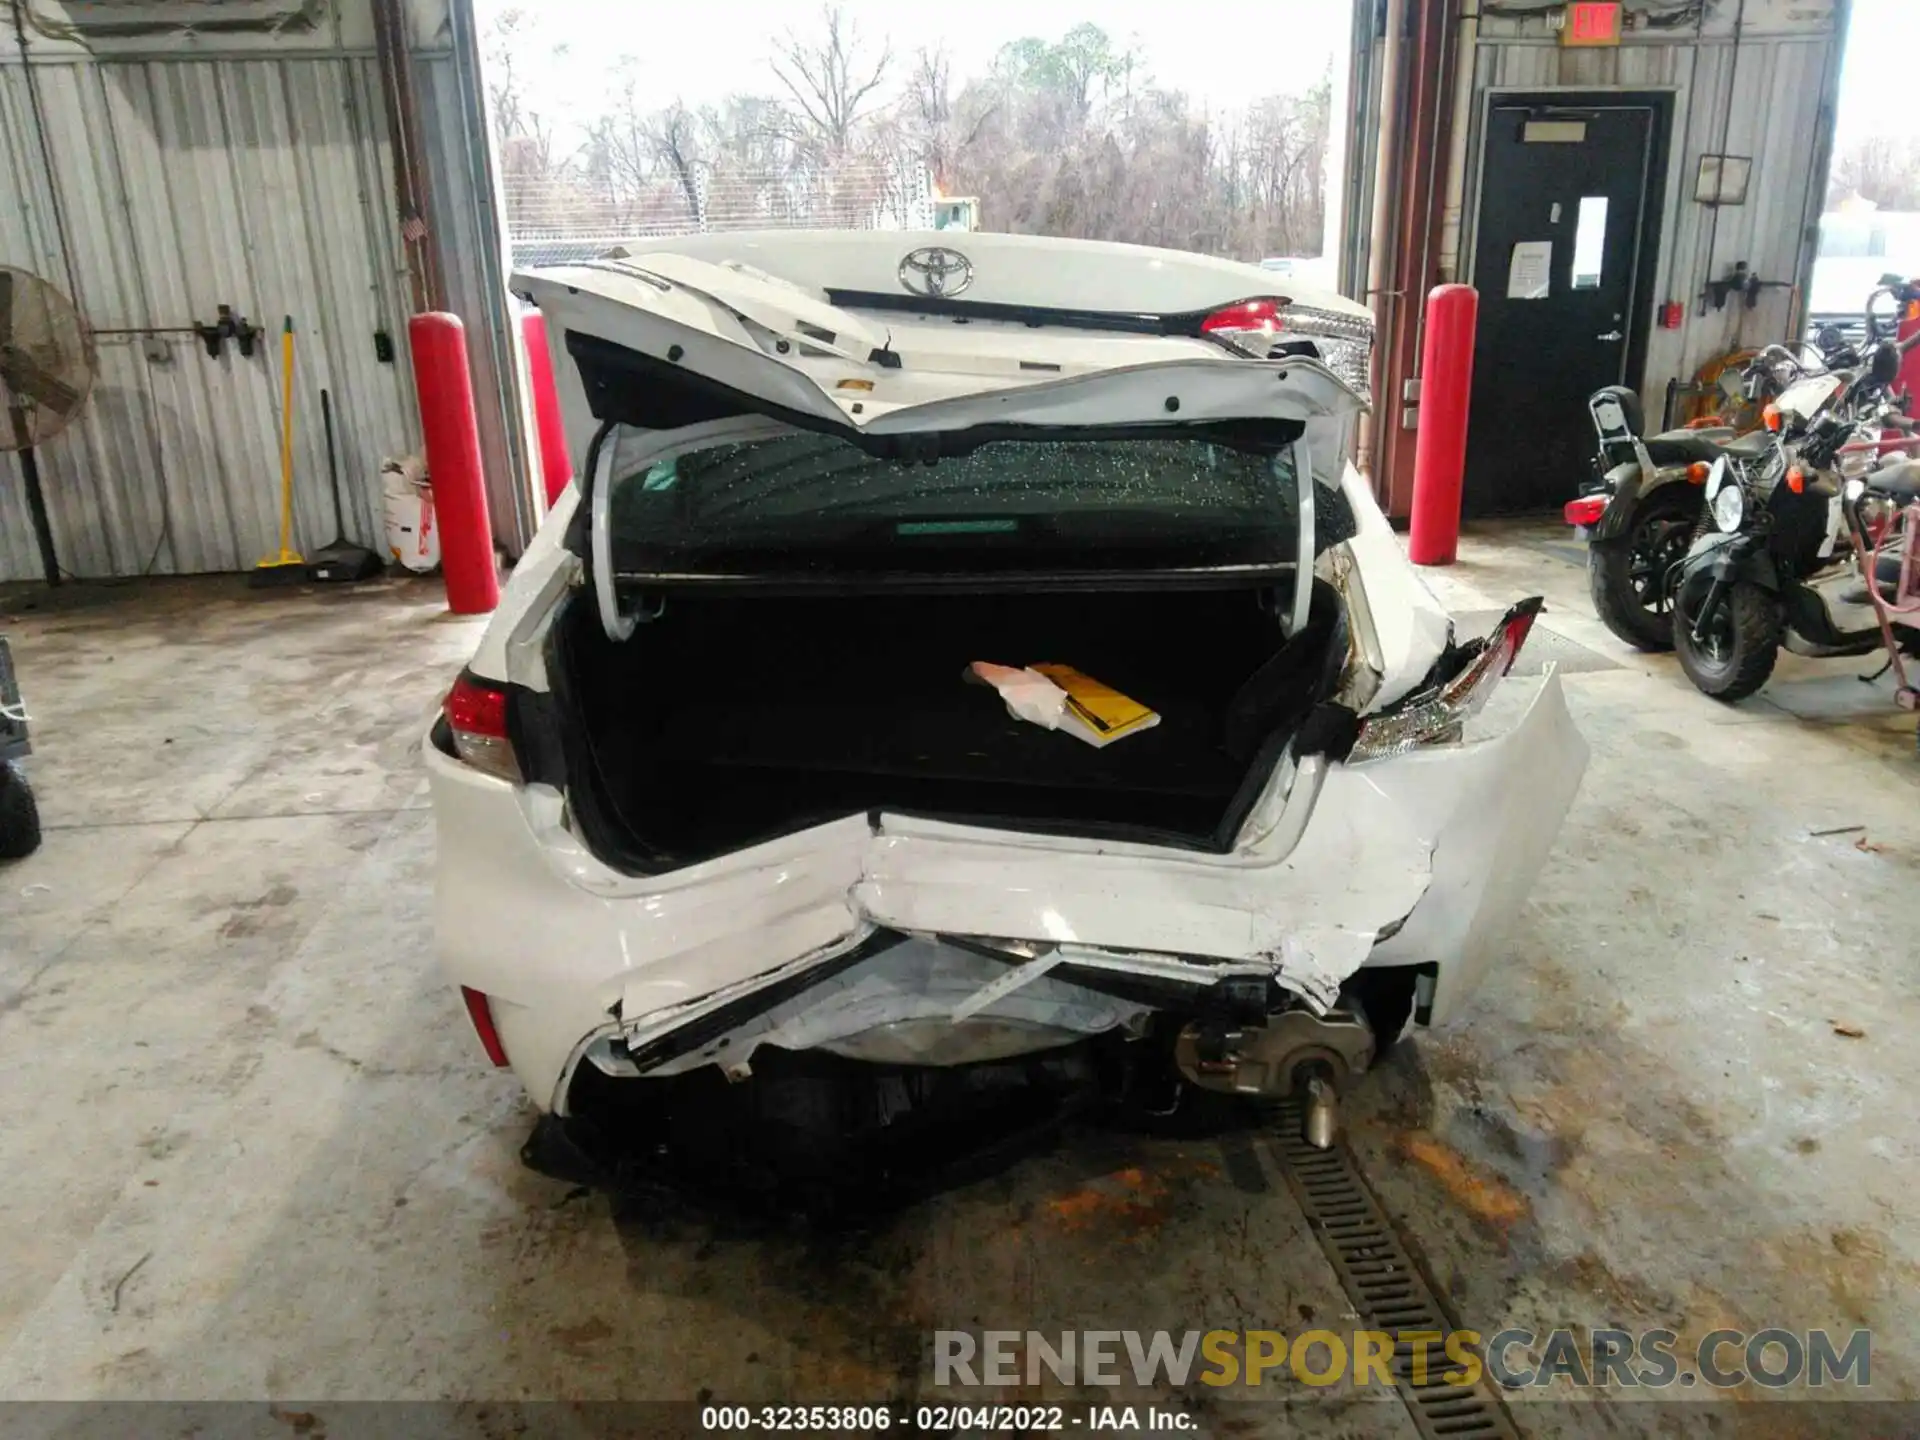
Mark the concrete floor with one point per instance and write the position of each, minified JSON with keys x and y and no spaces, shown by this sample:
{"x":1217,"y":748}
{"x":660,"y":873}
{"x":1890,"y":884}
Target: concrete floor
{"x":250,"y":1146}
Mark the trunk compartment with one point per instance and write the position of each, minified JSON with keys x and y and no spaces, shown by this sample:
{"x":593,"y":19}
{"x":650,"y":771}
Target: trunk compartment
{"x":733,"y":719}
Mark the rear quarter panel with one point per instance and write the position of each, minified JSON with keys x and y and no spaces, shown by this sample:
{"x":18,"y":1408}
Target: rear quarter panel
{"x":526,"y":592}
{"x":1409,"y":627}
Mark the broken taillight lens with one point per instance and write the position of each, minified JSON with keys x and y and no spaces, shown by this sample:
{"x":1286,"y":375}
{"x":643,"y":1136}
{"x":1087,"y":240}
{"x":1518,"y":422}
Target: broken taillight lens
{"x":480,"y":1012}
{"x":1439,"y":716}
{"x":477,"y":715}
{"x":1247,"y":322}
{"x":1272,"y":327}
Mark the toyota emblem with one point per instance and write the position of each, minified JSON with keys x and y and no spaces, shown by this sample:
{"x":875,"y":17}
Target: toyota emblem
{"x":936,"y":272}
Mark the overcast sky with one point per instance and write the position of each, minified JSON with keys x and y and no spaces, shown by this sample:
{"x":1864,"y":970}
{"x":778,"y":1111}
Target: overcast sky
{"x":1222,"y":53}
{"x":701,"y":52}
{"x":1877,"y":91}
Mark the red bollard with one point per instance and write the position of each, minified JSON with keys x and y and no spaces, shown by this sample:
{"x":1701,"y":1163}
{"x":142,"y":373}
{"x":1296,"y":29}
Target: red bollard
{"x":1446,"y":393}
{"x":1910,"y":370}
{"x":556,"y":465}
{"x":445,"y":387}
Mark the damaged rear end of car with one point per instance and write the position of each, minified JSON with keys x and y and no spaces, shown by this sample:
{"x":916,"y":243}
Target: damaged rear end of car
{"x":731,"y":830}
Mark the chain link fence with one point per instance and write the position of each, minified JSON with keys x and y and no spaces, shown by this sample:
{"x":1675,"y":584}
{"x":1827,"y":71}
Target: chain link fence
{"x":553,"y":220}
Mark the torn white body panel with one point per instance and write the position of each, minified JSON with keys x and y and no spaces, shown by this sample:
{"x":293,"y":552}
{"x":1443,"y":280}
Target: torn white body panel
{"x":758,"y":288}
{"x":896,"y":938}
{"x":1494,"y":809}
{"x":1085,"y":275}
{"x":1359,"y":865}
{"x":1401,"y":627}
{"x":1441,"y":843}
{"x":812,"y":359}
{"x":1316,"y":962}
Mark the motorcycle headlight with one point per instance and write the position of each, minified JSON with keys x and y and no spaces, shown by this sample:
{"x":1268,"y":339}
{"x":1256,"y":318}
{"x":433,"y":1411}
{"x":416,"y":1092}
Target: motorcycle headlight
{"x":1877,"y":513}
{"x":1729,"y":506}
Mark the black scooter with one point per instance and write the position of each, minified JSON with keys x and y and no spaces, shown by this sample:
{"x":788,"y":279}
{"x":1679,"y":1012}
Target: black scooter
{"x":1643,"y":508}
{"x":1774,"y":565}
{"x":1641,"y":513}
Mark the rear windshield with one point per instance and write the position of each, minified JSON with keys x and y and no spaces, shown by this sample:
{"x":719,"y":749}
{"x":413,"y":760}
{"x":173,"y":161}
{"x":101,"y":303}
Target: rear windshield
{"x":796,"y":501}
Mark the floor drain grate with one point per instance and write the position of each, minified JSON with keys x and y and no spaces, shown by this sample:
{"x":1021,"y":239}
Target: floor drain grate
{"x":1388,"y":1289}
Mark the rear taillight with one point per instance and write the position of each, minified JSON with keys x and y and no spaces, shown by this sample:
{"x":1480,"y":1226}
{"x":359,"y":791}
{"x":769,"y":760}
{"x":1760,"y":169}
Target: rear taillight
{"x":1249,"y":321}
{"x":477,"y":714}
{"x":1272,"y":328}
{"x":1587,"y":510}
{"x":480,"y":1011}
{"x":1439,"y":716}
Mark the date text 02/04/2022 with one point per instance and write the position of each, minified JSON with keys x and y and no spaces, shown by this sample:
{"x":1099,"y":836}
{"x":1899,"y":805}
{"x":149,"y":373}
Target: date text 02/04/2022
{"x":941,"y":1419}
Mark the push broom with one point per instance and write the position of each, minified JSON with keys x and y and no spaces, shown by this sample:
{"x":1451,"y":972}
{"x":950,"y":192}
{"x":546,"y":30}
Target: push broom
{"x":289,"y":567}
{"x":340,"y":559}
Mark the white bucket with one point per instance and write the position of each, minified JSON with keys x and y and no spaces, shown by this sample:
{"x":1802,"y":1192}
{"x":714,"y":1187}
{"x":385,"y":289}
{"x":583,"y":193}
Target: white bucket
{"x":407,"y":499}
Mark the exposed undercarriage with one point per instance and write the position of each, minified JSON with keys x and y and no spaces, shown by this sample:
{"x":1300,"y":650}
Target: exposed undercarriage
{"x":913,"y":1063}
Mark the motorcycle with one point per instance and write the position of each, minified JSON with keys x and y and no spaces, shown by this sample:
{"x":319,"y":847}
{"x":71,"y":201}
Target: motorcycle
{"x":1641,"y":514}
{"x":19,"y":816}
{"x":1775,"y":565}
{"x":1882,"y":510}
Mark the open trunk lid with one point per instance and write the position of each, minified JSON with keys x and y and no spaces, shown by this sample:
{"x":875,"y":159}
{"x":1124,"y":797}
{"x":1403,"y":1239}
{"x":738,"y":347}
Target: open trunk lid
{"x":675,"y":345}
{"x":666,"y":340}
{"x":1136,"y":461}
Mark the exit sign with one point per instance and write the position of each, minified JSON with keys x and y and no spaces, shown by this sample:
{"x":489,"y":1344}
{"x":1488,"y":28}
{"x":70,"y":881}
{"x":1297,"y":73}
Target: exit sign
{"x":1592,"y":22}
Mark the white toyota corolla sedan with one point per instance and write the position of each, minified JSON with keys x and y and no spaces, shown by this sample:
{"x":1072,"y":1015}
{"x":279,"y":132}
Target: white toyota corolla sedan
{"x":961,"y":653}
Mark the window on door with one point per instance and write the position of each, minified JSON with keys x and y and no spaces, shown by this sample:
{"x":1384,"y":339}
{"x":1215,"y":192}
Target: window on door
{"x":1590,"y":243}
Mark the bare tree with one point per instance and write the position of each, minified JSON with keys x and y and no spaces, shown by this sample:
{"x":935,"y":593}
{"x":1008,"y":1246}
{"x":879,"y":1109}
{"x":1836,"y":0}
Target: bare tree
{"x":832,"y":79}
{"x":1066,"y":136}
{"x":505,"y":95}
{"x":619,"y":152}
{"x":1882,"y":168}
{"x":927,"y":111}
{"x":674,"y":135}
{"x":645,"y":159}
{"x":1085,"y":60}
{"x":537,"y":178}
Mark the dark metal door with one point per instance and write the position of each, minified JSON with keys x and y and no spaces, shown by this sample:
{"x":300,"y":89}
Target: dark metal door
{"x":1558,"y":266}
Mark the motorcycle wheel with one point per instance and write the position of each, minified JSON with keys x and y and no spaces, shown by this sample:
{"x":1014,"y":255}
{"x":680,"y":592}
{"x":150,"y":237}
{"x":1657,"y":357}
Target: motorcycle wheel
{"x":19,"y":816}
{"x":1735,"y":655}
{"x":1627,"y":577}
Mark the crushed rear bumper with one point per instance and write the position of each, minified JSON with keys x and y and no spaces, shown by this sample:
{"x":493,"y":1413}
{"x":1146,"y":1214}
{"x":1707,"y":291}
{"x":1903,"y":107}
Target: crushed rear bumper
{"x":1419,"y":859}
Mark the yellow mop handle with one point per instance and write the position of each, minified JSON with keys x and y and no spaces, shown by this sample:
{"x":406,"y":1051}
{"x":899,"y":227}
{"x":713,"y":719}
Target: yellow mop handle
{"x":286,"y":438}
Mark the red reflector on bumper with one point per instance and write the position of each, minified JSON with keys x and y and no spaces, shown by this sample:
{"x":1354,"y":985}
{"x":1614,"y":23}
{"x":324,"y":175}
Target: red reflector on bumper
{"x":480,"y":1011}
{"x":1587,"y":510}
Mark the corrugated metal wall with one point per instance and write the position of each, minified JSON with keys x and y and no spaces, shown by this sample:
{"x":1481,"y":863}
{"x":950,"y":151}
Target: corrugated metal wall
{"x":1778,"y":77}
{"x":257,"y":179}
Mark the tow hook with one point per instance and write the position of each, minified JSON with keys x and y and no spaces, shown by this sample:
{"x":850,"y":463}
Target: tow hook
{"x":1296,"y":1052}
{"x":1321,"y":1125}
